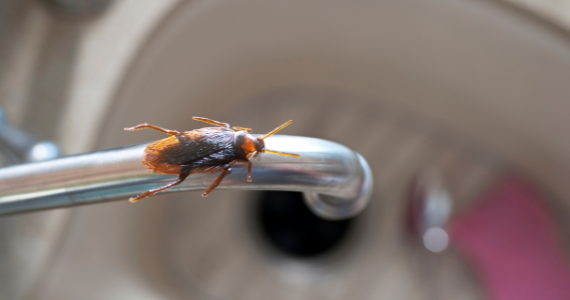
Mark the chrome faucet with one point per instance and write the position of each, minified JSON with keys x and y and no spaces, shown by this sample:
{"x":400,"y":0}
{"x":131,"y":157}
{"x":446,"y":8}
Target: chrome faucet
{"x":336,"y":181}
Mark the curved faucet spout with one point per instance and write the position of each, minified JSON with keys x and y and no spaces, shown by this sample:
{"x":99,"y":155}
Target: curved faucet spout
{"x":336,"y":180}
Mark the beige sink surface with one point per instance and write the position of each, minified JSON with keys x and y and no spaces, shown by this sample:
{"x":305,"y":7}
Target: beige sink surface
{"x":474,"y":88}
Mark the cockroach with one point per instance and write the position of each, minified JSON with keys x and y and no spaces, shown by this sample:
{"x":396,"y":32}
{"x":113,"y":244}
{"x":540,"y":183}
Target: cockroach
{"x":204,"y":150}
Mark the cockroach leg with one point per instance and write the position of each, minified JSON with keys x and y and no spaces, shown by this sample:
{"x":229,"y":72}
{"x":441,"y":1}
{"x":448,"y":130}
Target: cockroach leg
{"x":212,"y":122}
{"x":249,"y":171}
{"x":242,"y":128}
{"x":183,"y":174}
{"x":145,"y":125}
{"x":227,"y":170}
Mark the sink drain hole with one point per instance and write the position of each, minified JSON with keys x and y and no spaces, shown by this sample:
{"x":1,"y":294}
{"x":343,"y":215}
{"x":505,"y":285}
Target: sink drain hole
{"x":289,"y":226}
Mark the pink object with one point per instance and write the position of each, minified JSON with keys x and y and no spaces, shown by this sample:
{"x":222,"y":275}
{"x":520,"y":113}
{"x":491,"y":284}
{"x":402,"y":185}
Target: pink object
{"x":514,"y":245}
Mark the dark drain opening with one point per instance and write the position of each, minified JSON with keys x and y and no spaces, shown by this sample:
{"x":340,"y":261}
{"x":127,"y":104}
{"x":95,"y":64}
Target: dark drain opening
{"x":290,"y":227}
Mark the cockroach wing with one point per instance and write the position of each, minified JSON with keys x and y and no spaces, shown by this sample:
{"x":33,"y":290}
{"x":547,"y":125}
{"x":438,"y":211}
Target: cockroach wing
{"x":168,"y":155}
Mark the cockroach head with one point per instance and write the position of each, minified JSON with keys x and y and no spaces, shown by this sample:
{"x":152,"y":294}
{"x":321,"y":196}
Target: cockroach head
{"x":259,"y":145}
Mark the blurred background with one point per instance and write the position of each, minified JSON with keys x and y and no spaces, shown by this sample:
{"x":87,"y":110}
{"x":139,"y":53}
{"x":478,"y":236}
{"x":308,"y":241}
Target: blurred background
{"x":460,"y":107}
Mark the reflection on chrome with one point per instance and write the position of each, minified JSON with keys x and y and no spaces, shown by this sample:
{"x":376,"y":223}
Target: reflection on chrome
{"x":430,"y":209}
{"x":435,"y":239}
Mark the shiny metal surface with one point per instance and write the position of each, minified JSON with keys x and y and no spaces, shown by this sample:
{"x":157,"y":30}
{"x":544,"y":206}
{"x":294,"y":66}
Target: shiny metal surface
{"x":18,"y":146}
{"x":338,"y":181}
{"x":430,"y":208}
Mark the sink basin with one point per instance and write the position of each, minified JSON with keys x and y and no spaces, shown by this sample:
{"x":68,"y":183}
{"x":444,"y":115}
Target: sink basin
{"x":475,"y":89}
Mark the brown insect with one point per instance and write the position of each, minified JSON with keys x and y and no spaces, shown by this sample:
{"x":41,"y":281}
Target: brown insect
{"x":204,"y":150}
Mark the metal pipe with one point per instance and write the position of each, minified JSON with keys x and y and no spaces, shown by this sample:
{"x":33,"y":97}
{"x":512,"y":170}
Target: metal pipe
{"x":336,"y":180}
{"x":18,"y":146}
